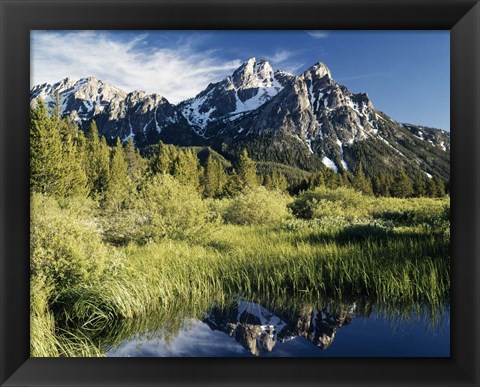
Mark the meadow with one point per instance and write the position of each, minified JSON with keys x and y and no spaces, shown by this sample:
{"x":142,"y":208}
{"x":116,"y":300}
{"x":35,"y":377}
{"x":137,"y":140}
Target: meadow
{"x":122,"y":240}
{"x":96,"y":271}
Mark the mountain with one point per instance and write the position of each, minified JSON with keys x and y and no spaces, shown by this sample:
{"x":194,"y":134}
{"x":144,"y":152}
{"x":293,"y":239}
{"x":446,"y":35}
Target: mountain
{"x":308,"y":121}
{"x":314,"y":121}
{"x":82,"y":99}
{"x":148,"y":118}
{"x":249,"y":87}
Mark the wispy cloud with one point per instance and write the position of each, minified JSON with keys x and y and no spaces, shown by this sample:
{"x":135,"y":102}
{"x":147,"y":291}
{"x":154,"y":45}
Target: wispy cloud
{"x":281,"y":56}
{"x":318,"y":34}
{"x":286,"y":60}
{"x":293,"y":68}
{"x":177,"y":72}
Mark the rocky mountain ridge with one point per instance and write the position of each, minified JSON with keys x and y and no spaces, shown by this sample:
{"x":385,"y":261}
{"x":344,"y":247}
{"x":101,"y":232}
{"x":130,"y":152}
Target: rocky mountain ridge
{"x":308,"y":120}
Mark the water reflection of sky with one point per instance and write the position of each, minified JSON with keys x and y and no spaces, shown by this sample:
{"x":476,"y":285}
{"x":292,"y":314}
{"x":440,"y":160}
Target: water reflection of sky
{"x":363,"y":337}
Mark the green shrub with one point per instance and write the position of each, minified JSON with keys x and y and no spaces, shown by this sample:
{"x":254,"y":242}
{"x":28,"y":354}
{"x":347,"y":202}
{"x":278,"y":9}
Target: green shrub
{"x":65,"y":243}
{"x":257,"y":206}
{"x":413,"y":211}
{"x":164,"y":208}
{"x":217,"y":209}
{"x":323,"y":202}
{"x":367,"y":228}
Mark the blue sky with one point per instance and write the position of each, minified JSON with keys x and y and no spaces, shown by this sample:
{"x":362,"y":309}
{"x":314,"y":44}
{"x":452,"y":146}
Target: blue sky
{"x":405,"y":73}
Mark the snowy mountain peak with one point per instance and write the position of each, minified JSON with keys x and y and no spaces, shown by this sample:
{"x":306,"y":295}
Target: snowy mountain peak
{"x":318,"y":70}
{"x":304,"y":120}
{"x":81,"y":99}
{"x":249,"y":87}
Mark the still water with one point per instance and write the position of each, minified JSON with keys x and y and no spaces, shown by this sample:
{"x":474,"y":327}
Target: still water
{"x":248,"y":329}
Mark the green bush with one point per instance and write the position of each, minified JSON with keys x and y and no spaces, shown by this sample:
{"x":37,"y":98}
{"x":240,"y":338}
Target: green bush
{"x":366,"y":228}
{"x":164,"y":208}
{"x":257,"y":206}
{"x":65,"y":242}
{"x":323,"y":202}
{"x":217,"y":209}
{"x":413,"y":211}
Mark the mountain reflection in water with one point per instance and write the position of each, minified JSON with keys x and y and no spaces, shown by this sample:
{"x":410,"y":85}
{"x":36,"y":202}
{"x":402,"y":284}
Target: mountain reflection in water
{"x":259,"y":330}
{"x":245,"y":328}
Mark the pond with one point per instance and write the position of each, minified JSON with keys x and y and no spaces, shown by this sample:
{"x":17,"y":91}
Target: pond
{"x":243,"y":328}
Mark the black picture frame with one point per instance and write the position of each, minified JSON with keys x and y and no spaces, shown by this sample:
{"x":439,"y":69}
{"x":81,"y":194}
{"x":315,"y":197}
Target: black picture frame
{"x":18,"y":17}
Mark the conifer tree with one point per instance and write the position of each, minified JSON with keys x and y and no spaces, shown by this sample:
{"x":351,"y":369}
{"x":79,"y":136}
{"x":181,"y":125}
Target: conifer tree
{"x":117,"y":190}
{"x":161,"y":162}
{"x":276,"y":181}
{"x":136,"y":165}
{"x":447,"y":187}
{"x":246,"y":171}
{"x":75,"y":177}
{"x":317,"y":180}
{"x":186,"y":169}
{"x":98,"y":160}
{"x":47,"y":174}
{"x":387,"y":183}
{"x":419,"y":186}
{"x":361,"y":182}
{"x":340,"y":180}
{"x":402,"y":186}
{"x":234,"y":183}
{"x":439,"y":186}
{"x":214,"y":178}
{"x":377,"y":185}
{"x":56,"y":107}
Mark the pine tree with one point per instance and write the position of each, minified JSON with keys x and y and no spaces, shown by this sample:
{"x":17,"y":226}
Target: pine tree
{"x":136,"y":165}
{"x":340,"y":180}
{"x":98,"y":161}
{"x":402,"y":187}
{"x":186,"y":169}
{"x":56,"y":108}
{"x":276,"y":181}
{"x":161,"y":162}
{"x":246,"y":171}
{"x":361,"y":182}
{"x":234,"y":183}
{"x":439,"y":187}
{"x":377,"y":185}
{"x":447,"y":187}
{"x":214,"y":178}
{"x":419,"y":186}
{"x":117,"y":190}
{"x":47,"y":174}
{"x":317,"y":180}
{"x":387,"y":183}
{"x":75,"y":177}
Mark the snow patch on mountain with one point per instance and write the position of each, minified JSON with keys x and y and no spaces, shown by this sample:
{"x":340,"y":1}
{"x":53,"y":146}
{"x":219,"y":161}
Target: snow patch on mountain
{"x":329,"y":163}
{"x":81,"y":99}
{"x":343,"y":162}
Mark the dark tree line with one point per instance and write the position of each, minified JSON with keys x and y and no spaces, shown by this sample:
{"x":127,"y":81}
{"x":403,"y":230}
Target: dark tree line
{"x":65,"y":161}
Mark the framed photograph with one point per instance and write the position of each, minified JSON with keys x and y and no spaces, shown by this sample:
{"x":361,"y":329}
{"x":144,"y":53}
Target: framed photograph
{"x":210,"y":193}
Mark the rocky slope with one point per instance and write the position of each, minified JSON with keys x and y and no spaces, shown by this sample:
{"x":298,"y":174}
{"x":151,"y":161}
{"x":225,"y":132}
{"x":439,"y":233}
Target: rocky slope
{"x":308,"y":120}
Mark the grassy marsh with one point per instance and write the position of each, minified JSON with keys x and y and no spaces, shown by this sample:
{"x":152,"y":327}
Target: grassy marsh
{"x":384,"y":260}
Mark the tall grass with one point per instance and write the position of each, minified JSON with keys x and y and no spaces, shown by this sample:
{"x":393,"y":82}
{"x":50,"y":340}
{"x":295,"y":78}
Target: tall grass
{"x":373,"y":256}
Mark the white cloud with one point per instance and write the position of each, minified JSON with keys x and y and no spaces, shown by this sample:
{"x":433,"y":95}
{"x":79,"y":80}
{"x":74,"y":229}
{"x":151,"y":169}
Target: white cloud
{"x":282,"y":60}
{"x":293,"y":68}
{"x":281,"y":56}
{"x":318,"y":34}
{"x":176,"y":73}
